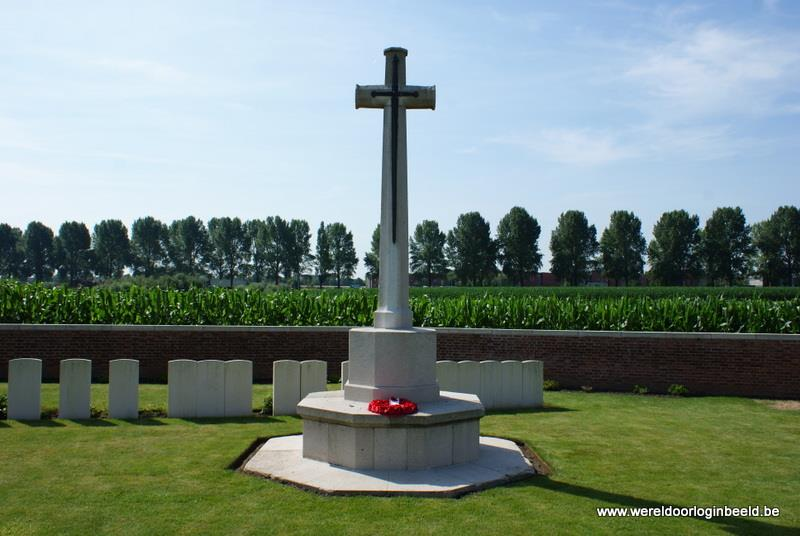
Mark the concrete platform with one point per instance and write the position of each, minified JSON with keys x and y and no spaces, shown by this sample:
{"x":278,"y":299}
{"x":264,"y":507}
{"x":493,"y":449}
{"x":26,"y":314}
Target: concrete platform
{"x":281,"y":458}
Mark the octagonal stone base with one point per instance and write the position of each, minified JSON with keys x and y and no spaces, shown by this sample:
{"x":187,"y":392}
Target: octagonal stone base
{"x":499,"y":462}
{"x":344,"y":432}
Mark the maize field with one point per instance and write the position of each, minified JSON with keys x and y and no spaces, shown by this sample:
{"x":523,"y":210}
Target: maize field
{"x":635,"y":311}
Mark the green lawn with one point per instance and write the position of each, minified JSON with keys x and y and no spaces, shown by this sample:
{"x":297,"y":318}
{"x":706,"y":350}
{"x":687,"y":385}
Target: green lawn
{"x":164,"y":476}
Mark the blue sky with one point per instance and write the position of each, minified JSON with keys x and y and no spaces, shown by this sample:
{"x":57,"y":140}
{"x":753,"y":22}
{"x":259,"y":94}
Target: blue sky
{"x":120,"y":110}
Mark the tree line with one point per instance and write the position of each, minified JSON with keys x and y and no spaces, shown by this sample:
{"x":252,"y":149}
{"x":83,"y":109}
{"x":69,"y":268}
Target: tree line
{"x":727,"y":250}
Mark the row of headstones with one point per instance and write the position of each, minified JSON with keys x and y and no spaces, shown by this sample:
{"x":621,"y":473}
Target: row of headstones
{"x":293,"y":380}
{"x":498,"y":384}
{"x":209,"y":388}
{"x":74,"y":389}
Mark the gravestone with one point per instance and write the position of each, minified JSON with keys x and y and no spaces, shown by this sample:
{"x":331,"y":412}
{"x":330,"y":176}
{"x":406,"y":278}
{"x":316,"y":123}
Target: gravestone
{"x":285,"y":387}
{"x":74,"y":389}
{"x":511,"y":384}
{"x":345,"y":371}
{"x":532,"y":384}
{"x":182,"y":387}
{"x":210,"y":390}
{"x":25,"y":389}
{"x":313,"y":377}
{"x":238,"y":388}
{"x":491,"y":383}
{"x":447,"y":375}
{"x":123,"y":389}
{"x":469,"y":377}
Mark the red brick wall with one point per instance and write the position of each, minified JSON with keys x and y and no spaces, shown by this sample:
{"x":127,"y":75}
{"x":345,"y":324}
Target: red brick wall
{"x":741,"y":365}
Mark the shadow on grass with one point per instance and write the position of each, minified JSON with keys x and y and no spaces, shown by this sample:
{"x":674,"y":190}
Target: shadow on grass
{"x":145,"y":421}
{"x":733,"y":525}
{"x":232,"y":420}
{"x":531,"y":411}
{"x":97,"y":423}
{"x":4,"y":424}
{"x":45,"y":423}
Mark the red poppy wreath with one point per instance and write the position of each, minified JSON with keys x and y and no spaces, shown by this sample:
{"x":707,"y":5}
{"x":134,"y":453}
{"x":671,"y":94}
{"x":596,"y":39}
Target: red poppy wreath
{"x":392,"y":407}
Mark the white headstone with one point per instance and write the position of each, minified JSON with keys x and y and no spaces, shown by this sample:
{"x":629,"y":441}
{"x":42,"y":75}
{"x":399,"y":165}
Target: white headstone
{"x":511,"y":384}
{"x":447,"y":375}
{"x":532,"y":384}
{"x":313,"y":377}
{"x":238,"y":388}
{"x":345,"y":372}
{"x":182,"y":380}
{"x":285,"y":387}
{"x":123,"y":389}
{"x":469,"y":377}
{"x":210,"y":388}
{"x":490,"y":383}
{"x":25,"y":389}
{"x":75,"y":389}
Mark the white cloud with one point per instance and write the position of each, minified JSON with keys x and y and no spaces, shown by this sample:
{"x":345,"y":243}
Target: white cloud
{"x":653,"y":141}
{"x":708,"y":70}
{"x":584,"y":147}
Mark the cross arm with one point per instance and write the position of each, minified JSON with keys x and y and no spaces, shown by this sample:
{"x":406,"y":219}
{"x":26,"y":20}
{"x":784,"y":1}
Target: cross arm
{"x":411,"y":97}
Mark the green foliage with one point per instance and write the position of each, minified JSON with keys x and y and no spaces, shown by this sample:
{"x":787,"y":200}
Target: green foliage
{"x":343,"y":252}
{"x":149,"y":239}
{"x":230,"y":246}
{"x":297,"y":249}
{"x":23,"y":303}
{"x":674,"y":252}
{"x":12,"y":253}
{"x":266,"y":407}
{"x":427,"y":251}
{"x":72,"y":252}
{"x":3,"y":406}
{"x":324,"y":262}
{"x":470,"y":249}
{"x":573,"y":245}
{"x":551,"y":385}
{"x":372,"y":258}
{"x":622,"y":247}
{"x":778,"y":242}
{"x":171,"y":281}
{"x":38,"y":244}
{"x":640,"y":390}
{"x":518,"y":244}
{"x":112,"y":249}
{"x":726,"y":245}
{"x":187,"y":245}
{"x":677,"y":389}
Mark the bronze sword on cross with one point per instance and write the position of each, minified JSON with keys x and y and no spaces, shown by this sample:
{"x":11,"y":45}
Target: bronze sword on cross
{"x":398,"y":97}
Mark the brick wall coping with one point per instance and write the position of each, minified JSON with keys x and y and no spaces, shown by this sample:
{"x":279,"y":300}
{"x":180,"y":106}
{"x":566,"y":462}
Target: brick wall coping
{"x":467,"y":331}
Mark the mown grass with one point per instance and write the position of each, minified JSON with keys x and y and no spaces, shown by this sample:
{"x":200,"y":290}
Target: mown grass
{"x":168,"y":476}
{"x":494,"y":308}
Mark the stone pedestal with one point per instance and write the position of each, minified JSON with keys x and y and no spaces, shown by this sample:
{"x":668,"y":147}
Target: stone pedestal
{"x":392,"y":362}
{"x":340,"y":430}
{"x":345,"y":433}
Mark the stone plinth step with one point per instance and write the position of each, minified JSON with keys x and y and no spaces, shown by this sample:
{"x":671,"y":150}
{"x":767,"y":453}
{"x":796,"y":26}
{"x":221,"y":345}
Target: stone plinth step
{"x":499,"y":462}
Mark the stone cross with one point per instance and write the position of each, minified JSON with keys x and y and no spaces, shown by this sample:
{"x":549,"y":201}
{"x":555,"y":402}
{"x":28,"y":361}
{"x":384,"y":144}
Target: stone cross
{"x":395,"y":97}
